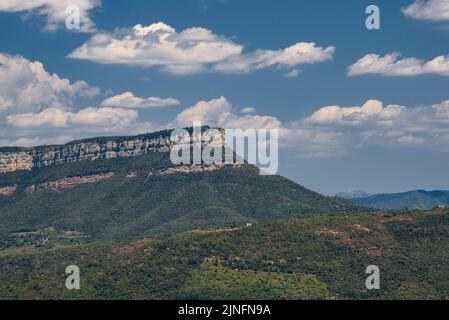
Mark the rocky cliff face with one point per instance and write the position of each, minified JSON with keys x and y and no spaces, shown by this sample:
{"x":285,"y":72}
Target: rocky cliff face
{"x":8,"y":191}
{"x":67,"y":183}
{"x":26,"y":159}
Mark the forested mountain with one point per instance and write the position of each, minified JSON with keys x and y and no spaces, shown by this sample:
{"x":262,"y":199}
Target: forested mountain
{"x":319,"y":257}
{"x":146,"y":196}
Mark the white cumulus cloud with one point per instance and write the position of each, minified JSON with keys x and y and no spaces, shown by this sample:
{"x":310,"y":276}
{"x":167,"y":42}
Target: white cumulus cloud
{"x":298,"y":54}
{"x":434,"y":10}
{"x":219,"y":112}
{"x":393,"y":65}
{"x":129,"y":100}
{"x":328,"y":131}
{"x":371,"y":110}
{"x":193,"y":50}
{"x":36,"y":141}
{"x":54,"y":11}
{"x":26,"y":86}
{"x":86,"y":117}
{"x":248,"y":110}
{"x":36,"y":106}
{"x":375,"y":124}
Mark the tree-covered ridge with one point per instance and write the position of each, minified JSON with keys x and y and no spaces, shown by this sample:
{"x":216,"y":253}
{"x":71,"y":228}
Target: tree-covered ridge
{"x":132,"y":204}
{"x":320,"y":257}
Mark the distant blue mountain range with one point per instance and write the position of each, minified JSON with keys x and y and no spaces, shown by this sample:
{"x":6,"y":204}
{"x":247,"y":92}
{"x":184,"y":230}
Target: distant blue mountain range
{"x":352,"y":194}
{"x":418,"y":199}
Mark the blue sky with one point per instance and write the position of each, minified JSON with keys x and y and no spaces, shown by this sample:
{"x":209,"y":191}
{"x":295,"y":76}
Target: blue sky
{"x":375,"y":153}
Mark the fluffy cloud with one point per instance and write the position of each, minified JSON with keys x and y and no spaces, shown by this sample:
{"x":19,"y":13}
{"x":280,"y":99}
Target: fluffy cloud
{"x":219,"y":112}
{"x":300,"y":53}
{"x":193,"y":50}
{"x":329,"y":131}
{"x":392,"y":65}
{"x":86,"y":117}
{"x":31,"y":142}
{"x":306,"y":139}
{"x":248,"y":110}
{"x":56,"y":126}
{"x":39,"y":107}
{"x":128,"y":100}
{"x":371,"y":110}
{"x":34,"y":136}
{"x":292,"y":74}
{"x":376,"y":124}
{"x":55,"y":11}
{"x":26,"y":86}
{"x":435,"y":10}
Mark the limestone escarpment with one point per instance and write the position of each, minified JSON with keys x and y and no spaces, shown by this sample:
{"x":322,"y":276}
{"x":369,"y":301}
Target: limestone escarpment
{"x":10,"y":162}
{"x":13,"y":159}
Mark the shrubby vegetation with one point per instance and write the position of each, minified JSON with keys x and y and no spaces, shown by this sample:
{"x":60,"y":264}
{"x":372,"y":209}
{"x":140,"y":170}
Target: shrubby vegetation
{"x":226,"y":234}
{"x":123,"y":208}
{"x":230,"y":284}
{"x":320,"y":257}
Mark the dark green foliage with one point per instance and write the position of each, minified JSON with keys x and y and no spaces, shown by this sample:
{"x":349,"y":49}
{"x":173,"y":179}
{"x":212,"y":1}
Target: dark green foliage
{"x":224,"y":284}
{"x":125,"y":208}
{"x":301,"y":245}
{"x":320,"y":257}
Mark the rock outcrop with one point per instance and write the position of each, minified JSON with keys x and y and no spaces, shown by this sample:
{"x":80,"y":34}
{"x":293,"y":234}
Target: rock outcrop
{"x":10,"y":161}
{"x":13,"y":159}
{"x":194,"y":168}
{"x":8,"y":191}
{"x":66,"y":183}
